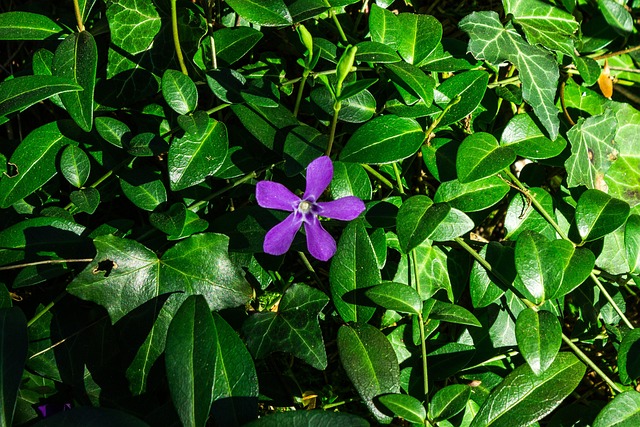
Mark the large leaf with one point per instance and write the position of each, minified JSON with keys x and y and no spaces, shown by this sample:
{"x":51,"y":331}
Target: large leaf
{"x":412,"y":221}
{"x":628,"y":361}
{"x":592,"y":150}
{"x":125,"y":274}
{"x":419,"y":36}
{"x":539,"y":337}
{"x":34,"y":161}
{"x":385,"y":139}
{"x":189,"y":360}
{"x":22,"y":92}
{"x":616,"y":16}
{"x":384,"y":28}
{"x":396,"y":296}
{"x":192,"y":159}
{"x":413,"y":80}
{"x":76,"y":58}
{"x":524,"y":137}
{"x":448,"y":401}
{"x":13,"y":355}
{"x":544,"y":24}
{"x":405,"y":406}
{"x":538,"y":69}
{"x":233,"y":43}
{"x":598,"y":214}
{"x":523,"y":397}
{"x":263,"y":12}
{"x":353,"y":268}
{"x":27,"y":26}
{"x":290,"y":329}
{"x":473,"y":196}
{"x":622,"y":411}
{"x":480,"y":156}
{"x":370,"y":363}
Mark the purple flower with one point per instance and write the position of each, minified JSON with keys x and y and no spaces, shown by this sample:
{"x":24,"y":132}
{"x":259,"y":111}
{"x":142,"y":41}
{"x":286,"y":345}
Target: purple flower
{"x":305,"y":211}
{"x":49,"y":409}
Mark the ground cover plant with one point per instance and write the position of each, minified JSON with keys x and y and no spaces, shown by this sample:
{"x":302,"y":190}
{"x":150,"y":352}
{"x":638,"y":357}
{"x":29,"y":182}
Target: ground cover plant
{"x":319,"y":212}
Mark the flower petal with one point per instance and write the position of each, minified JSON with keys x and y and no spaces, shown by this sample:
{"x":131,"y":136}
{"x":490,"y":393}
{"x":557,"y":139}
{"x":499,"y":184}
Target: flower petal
{"x":319,"y":242}
{"x":279,"y":238}
{"x":274,"y":195}
{"x":344,"y":209}
{"x":319,"y":175}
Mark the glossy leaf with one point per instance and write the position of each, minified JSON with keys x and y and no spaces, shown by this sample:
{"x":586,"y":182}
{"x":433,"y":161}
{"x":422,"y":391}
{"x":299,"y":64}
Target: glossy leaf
{"x":234,"y":43}
{"x":113,"y":131}
{"x":370,"y":364}
{"x":76,"y":58}
{"x":404,"y":406}
{"x":35,"y":162}
{"x":480,"y":156}
{"x":376,"y":52}
{"x":622,"y":411}
{"x":75,"y":166}
{"x":144,"y":188}
{"x":453,"y":224}
{"x":269,"y":13}
{"x":384,"y":27}
{"x":452,"y":313}
{"x":632,"y":243}
{"x":623,"y":177}
{"x":536,"y":396}
{"x":194,"y":124}
{"x":350,"y":179}
{"x":413,"y":80}
{"x":179,"y":91}
{"x":473,"y":196}
{"x":189,"y":360}
{"x":199,"y":264}
{"x":86,"y":199}
{"x":449,"y":401}
{"x":385,"y":139}
{"x":27,"y":26}
{"x":470,"y":86}
{"x":413,"y":221}
{"x":539,"y":337}
{"x":354,"y":267}
{"x":616,"y":16}
{"x":290,"y":329}
{"x":522,"y":216}
{"x":419,"y":36}
{"x":356,"y":109}
{"x":538,"y":70}
{"x":178,"y":222}
{"x":628,"y":362}
{"x":22,"y":92}
{"x":316,"y":417}
{"x":191,"y":159}
{"x":524,"y":137}
{"x":485,"y":288}
{"x":396,"y":296}
{"x":598,"y":214}
{"x":13,"y":355}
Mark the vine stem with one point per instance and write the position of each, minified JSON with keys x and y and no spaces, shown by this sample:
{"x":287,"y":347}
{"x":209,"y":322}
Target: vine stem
{"x":46,"y":309}
{"x":76,"y":10}
{"x":438,"y":119}
{"x":296,"y":107}
{"x":334,"y":124}
{"x":610,"y":299}
{"x":343,"y":36}
{"x":378,"y":175}
{"x":396,"y":171}
{"x":423,"y":338}
{"x":568,"y":341}
{"x":48,"y":261}
{"x":248,"y":177}
{"x":176,"y":37}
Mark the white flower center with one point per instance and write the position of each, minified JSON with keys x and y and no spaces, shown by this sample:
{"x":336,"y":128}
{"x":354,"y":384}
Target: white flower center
{"x":304,"y":206}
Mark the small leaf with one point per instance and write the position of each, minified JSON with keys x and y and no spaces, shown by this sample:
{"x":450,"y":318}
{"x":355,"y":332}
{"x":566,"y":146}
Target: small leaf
{"x":404,"y":406}
{"x":370,"y":363}
{"x":413,"y":80}
{"x":453,"y":224}
{"x":413,"y":221}
{"x":628,"y":360}
{"x":178,"y":222}
{"x":75,"y":166}
{"x":144,"y":187}
{"x":484,"y":287}
{"x":385,"y":139}
{"x":234,"y":43}
{"x":396,"y":296}
{"x":384,"y":27}
{"x":189,"y":358}
{"x":179,"y":91}
{"x":13,"y":355}
{"x":194,"y":124}
{"x":376,"y":52}
{"x":473,"y":196}
{"x":86,"y":199}
{"x":524,"y":137}
{"x":470,"y":86}
{"x":452,"y":313}
{"x":598,"y":214}
{"x":480,"y":156}
{"x":539,"y":336}
{"x":449,"y":401}
{"x":27,"y":26}
{"x":22,"y":92}
{"x":269,"y":13}
{"x":113,"y":131}
{"x":350,"y":179}
{"x":522,"y":216}
{"x":622,"y":411}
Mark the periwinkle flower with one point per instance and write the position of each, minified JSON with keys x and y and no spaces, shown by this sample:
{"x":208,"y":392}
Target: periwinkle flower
{"x":305,"y":211}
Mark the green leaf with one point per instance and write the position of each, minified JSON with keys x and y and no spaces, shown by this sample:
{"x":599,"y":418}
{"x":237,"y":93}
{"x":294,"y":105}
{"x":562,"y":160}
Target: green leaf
{"x":384,"y":27}
{"x":598,"y":214}
{"x":234,"y":43}
{"x":480,"y":156}
{"x":470,"y":86}
{"x":22,"y":92}
{"x":452,"y":313}
{"x":179,"y":91}
{"x":290,"y":329}
{"x":449,"y":222}
{"x":191,"y":159}
{"x":473,"y":196}
{"x":538,"y":69}
{"x":413,"y":80}
{"x":350,"y":179}
{"x":539,"y":337}
{"x":413,"y":223}
{"x":632,"y":243}
{"x":190,"y":360}
{"x":354,"y":267}
{"x":316,"y":417}
{"x":385,"y":139}
{"x":537,"y":395}
{"x":75,"y":166}
{"x":592,"y":150}
{"x":616,"y":16}
{"x":269,"y":13}
{"x":396,"y":296}
{"x":376,"y":52}
{"x":178,"y":222}
{"x":404,"y":406}
{"x":449,"y":401}
{"x":588,"y":68}
{"x":143,"y":187}
{"x":628,"y":361}
{"x":199,"y":264}
{"x":13,"y":355}
{"x":521,"y":215}
{"x":195,"y":124}
{"x":419,"y":36}
{"x":96,"y":417}
{"x":484,"y":287}
{"x":370,"y":364}
{"x":27,"y":26}
{"x":86,"y":199}
{"x":356,"y":109}
{"x":524,"y":137}
{"x":544,"y":24}
{"x":113,"y":131}
{"x":34,"y":161}
{"x":622,"y":411}
{"x":578,"y":264}
{"x":76,"y":58}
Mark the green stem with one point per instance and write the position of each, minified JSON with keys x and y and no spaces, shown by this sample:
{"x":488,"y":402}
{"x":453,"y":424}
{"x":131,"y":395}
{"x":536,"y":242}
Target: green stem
{"x":378,"y":175}
{"x":396,"y":171}
{"x":218,"y":108}
{"x":438,"y":119}
{"x":610,"y":299}
{"x":423,"y":338}
{"x":356,"y":24}
{"x":76,"y":10}
{"x":506,"y":81}
{"x":334,"y":123}
{"x":46,"y":309}
{"x":252,"y":175}
{"x":176,"y":37}
{"x":296,"y":108}
{"x":48,"y":261}
{"x":590,"y":363}
{"x":343,"y":36}
{"x":103,"y":177}
{"x":311,"y":270}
